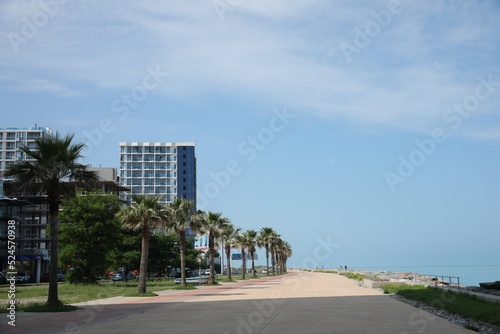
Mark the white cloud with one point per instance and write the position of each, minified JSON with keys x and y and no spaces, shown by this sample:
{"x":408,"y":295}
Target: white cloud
{"x":427,"y":58}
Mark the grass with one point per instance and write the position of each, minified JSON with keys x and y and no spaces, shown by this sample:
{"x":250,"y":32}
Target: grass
{"x":235,"y":278}
{"x":41,"y":307}
{"x":355,"y":276}
{"x":394,"y":288}
{"x":465,"y":305}
{"x":32,"y":298}
{"x":327,"y":271}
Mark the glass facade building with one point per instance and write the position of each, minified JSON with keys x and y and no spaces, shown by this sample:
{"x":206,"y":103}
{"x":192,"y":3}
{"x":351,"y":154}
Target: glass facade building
{"x":162,"y":169}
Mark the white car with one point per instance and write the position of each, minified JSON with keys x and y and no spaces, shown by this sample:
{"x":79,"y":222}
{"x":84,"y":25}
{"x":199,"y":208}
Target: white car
{"x":207,"y":271}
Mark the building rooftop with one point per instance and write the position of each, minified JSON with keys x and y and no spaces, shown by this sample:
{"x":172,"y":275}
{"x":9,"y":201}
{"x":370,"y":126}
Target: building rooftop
{"x":135,"y":143}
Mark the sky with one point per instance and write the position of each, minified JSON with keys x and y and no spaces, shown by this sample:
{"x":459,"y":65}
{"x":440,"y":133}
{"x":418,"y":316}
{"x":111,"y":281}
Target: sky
{"x":366,"y":133}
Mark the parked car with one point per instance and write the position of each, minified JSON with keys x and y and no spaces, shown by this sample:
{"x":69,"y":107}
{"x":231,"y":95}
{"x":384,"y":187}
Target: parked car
{"x":188,"y":273}
{"x":207,"y":271}
{"x":23,"y":277}
{"x":119,"y":277}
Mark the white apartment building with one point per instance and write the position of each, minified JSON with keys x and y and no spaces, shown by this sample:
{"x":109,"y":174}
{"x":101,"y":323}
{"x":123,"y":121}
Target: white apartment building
{"x":12,"y":139}
{"x":159,"y":169}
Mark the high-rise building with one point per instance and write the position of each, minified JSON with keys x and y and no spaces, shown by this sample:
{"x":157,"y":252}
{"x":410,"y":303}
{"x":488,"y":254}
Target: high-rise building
{"x":12,"y":139}
{"x":159,"y":169}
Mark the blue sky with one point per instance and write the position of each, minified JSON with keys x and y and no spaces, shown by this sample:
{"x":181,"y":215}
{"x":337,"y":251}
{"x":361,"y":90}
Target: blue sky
{"x":367,"y":133}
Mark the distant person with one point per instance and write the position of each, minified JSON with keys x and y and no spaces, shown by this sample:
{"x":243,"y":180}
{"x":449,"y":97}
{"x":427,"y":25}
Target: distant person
{"x":345,"y":268}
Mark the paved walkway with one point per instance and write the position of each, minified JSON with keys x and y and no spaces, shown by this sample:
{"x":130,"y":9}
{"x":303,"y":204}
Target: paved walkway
{"x":299,"y":302}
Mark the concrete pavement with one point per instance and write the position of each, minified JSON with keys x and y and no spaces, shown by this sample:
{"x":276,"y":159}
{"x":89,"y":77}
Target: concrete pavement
{"x":300,"y":302}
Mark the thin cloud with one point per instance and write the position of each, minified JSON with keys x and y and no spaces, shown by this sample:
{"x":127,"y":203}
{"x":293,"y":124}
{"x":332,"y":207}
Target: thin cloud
{"x":427,"y":58}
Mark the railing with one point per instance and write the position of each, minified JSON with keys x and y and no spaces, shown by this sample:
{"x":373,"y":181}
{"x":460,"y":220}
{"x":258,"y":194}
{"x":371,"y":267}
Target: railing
{"x":437,"y":280}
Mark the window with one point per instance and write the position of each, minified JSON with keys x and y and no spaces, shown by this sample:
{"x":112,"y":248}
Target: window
{"x":184,"y":164}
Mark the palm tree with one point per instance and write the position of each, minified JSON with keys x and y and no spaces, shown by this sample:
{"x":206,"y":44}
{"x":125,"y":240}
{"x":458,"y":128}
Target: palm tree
{"x":179,"y":218}
{"x":283,"y":251}
{"x":144,"y":214}
{"x":275,"y":237}
{"x":286,"y":252}
{"x":251,"y":236}
{"x":53,"y":160}
{"x":212,"y":224}
{"x":241,"y":240}
{"x":229,"y":237}
{"x":264,"y":240}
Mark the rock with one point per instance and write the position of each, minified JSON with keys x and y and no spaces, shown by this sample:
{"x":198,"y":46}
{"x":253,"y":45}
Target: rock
{"x":490,"y":285}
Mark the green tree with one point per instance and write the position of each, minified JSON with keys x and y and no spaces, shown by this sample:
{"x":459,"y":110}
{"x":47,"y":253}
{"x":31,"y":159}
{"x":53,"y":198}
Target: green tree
{"x":143,"y":214}
{"x":211,"y":223}
{"x":275,"y":237}
{"x":88,"y":232}
{"x":178,"y":218}
{"x":127,"y":253}
{"x":242,"y":241}
{"x":163,"y":253}
{"x":53,"y":160}
{"x":251,"y":240}
{"x":264,"y":240}
{"x":229,"y":237}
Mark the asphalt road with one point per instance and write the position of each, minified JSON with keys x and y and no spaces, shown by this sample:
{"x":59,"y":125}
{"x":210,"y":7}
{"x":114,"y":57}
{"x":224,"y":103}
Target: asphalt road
{"x":299,"y":302}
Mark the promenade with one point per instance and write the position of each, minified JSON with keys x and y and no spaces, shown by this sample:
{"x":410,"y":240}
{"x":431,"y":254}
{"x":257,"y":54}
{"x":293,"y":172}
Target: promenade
{"x":299,"y":302}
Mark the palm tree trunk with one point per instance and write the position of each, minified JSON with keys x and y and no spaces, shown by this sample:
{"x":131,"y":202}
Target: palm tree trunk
{"x":211,"y":250}
{"x":182,"y":250}
{"x":253,"y":263}
{"x":267,"y":259}
{"x":243,"y":262}
{"x":53,"y":297}
{"x":228,"y":260}
{"x":141,"y":286}
{"x":273,"y":262}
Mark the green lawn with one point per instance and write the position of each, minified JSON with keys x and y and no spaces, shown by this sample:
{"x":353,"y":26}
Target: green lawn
{"x":30,"y":297}
{"x":463,"y":304}
{"x":69,"y":293}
